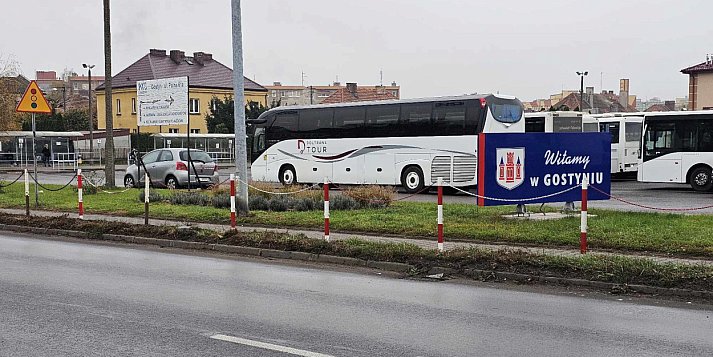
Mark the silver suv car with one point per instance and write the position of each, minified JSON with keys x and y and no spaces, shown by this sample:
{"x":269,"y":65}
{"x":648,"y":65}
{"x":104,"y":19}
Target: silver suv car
{"x":169,"y":168}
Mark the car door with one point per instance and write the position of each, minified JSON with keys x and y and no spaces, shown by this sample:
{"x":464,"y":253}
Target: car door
{"x":149,"y":161}
{"x":163,"y":167}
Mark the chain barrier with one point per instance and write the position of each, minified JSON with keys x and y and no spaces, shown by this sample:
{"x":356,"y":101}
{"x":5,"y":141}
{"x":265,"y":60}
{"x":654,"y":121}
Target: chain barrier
{"x":515,"y":200}
{"x":651,"y":207}
{"x":13,"y":182}
{"x":50,"y":189}
{"x":277,"y":193}
{"x":101,"y":189}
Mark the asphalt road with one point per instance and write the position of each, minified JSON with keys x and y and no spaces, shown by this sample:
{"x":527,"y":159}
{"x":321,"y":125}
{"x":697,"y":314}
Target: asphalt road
{"x":76,"y":299}
{"x":647,"y":194}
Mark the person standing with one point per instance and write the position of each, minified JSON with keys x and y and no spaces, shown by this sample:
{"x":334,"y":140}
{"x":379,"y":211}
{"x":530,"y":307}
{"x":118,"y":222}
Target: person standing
{"x":46,"y":155}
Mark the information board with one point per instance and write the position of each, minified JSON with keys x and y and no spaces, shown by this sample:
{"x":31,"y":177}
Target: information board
{"x":162,"y":101}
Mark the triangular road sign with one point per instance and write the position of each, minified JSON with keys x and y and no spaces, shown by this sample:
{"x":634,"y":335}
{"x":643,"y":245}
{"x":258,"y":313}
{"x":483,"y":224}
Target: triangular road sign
{"x":33,"y":101}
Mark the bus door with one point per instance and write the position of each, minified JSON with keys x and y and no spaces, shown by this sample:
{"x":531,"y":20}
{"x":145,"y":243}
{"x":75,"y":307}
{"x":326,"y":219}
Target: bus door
{"x":616,"y":152}
{"x":660,"y":161}
{"x":632,"y":144}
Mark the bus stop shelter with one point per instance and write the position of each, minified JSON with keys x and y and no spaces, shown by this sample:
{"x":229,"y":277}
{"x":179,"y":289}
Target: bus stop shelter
{"x":218,"y":146}
{"x":16,"y":148}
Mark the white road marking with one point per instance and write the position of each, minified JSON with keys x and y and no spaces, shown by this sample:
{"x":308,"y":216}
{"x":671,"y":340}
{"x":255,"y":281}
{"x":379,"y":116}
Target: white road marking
{"x":268,"y":346}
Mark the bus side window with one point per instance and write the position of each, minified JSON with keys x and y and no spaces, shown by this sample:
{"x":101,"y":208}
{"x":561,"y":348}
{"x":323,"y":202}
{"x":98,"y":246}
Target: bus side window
{"x":613,"y":129}
{"x":349,"y":122}
{"x":705,"y":136}
{"x":472,"y":116}
{"x":316,"y":123}
{"x":284,"y":126}
{"x":415,"y":119}
{"x":382,"y":120}
{"x":449,"y":118}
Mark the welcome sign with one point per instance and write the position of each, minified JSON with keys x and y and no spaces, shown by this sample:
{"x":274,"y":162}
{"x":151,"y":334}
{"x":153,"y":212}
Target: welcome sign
{"x":537,"y":167}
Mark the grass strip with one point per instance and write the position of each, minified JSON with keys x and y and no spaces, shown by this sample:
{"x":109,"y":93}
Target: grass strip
{"x":668,"y":234}
{"x":611,"y":269}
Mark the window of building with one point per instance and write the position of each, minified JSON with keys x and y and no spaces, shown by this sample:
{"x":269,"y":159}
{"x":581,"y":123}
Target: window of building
{"x":194,"y":106}
{"x":133,"y":105}
{"x":118,"y":107}
{"x":195,"y":131}
{"x":172,"y":130}
{"x":274,"y":93}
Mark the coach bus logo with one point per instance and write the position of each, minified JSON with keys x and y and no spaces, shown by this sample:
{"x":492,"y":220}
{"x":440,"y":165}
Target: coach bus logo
{"x":312,"y":146}
{"x":511,"y":167}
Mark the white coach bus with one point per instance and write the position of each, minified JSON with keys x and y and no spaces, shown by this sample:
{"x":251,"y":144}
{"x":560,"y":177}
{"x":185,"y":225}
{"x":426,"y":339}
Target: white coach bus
{"x":678,"y":147}
{"x":553,"y":122}
{"x":402,"y":142}
{"x":625,"y":130}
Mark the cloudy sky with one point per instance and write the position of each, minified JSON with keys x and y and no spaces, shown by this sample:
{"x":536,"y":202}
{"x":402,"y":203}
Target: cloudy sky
{"x":522,"y":47}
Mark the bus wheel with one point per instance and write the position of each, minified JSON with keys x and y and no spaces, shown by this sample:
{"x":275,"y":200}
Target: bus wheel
{"x":412,"y":179}
{"x":288,"y":176}
{"x":701,"y":179}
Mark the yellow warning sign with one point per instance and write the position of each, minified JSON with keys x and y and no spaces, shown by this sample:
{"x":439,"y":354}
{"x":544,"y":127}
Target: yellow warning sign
{"x":33,"y":101}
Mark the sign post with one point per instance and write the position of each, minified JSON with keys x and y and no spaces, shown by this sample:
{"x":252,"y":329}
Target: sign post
{"x":33,"y":101}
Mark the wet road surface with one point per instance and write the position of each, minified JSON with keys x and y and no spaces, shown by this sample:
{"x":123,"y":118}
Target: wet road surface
{"x":69,"y":299}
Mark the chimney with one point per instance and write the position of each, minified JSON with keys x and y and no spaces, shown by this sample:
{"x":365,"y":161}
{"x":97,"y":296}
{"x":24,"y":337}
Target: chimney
{"x":201,"y":57}
{"x":177,"y":56}
{"x":277,"y":83}
{"x":393,"y":84}
{"x":624,"y":92}
{"x":352,"y":88}
{"x":337,"y":84}
{"x":157,"y":53}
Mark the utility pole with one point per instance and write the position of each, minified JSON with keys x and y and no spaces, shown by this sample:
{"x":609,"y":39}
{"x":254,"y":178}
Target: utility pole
{"x":109,"y":145}
{"x":581,"y":89}
{"x":241,"y":164}
{"x":91,"y":120}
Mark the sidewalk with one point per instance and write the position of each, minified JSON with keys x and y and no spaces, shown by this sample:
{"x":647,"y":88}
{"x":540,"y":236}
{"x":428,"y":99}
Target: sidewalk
{"x":427,"y":244}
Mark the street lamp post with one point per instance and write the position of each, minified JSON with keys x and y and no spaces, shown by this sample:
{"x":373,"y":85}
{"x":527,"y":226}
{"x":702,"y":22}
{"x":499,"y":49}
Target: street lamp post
{"x":581,"y":89}
{"x":91,"y":121}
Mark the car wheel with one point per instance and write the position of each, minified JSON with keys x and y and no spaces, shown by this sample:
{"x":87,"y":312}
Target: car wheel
{"x":129,"y":181}
{"x":701,"y":179}
{"x":412,"y":179}
{"x":288,"y":176}
{"x":171,"y":182}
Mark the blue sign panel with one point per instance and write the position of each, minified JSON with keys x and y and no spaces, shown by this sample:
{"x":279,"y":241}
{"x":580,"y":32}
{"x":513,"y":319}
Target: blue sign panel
{"x":542,"y":167}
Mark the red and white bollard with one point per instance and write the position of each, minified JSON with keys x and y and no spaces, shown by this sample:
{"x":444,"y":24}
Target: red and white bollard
{"x":27,"y":193}
{"x":440,"y":214}
{"x":79,"y":192}
{"x":232,"y":201}
{"x":583,"y":225}
{"x":326,"y":208}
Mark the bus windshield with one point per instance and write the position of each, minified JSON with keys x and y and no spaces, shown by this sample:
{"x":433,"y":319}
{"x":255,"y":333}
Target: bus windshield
{"x":504,"y":110}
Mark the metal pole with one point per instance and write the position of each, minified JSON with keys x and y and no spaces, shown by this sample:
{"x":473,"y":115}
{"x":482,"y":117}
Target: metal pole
{"x":91,"y":121}
{"x":581,"y":93}
{"x":34,"y":160}
{"x":241,"y":164}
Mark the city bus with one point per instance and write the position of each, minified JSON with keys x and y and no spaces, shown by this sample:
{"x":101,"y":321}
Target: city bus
{"x":553,"y":122}
{"x":409,"y":142}
{"x":678,"y":147}
{"x":625,"y":130}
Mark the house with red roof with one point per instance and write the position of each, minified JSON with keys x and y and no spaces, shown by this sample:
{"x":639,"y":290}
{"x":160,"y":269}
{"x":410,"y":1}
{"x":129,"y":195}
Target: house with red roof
{"x":207,"y":79}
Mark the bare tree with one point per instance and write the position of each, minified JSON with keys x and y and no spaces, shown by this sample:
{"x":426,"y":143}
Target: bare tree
{"x":10,"y":90}
{"x":109,"y":167}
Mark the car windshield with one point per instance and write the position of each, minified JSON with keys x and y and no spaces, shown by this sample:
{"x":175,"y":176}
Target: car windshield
{"x":196,"y":155}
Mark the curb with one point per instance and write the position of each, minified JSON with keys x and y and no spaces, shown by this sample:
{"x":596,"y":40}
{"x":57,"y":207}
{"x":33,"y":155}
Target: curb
{"x":403,"y":268}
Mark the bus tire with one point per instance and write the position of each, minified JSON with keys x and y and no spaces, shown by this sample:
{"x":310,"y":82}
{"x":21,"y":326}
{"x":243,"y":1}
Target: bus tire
{"x":412,"y":179}
{"x":701,"y":179}
{"x":288,"y":175}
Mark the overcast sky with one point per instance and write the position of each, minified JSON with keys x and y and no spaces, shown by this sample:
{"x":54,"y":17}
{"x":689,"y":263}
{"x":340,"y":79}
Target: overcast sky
{"x":430,"y":48}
